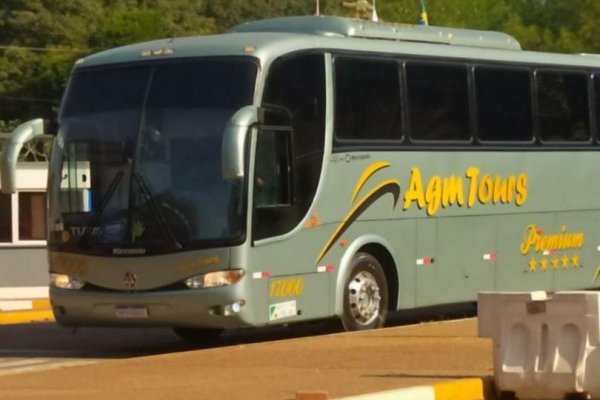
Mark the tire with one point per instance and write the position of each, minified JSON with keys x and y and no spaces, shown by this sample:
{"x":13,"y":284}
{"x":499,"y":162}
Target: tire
{"x":365,"y":295}
{"x":199,"y":335}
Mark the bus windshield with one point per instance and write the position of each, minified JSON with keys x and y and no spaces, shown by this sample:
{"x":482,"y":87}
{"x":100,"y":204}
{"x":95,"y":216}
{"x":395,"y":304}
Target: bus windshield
{"x":137,"y":161}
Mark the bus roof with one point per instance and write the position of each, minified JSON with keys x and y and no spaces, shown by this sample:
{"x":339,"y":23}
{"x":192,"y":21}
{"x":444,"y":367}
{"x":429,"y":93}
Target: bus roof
{"x":271,"y":38}
{"x":356,"y":28}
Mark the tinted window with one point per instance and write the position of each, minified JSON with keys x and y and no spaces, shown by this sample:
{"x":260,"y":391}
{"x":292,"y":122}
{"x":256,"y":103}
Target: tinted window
{"x":367,"y":99}
{"x":152,"y":156}
{"x":438,"y":102}
{"x":563,"y":106}
{"x":32,"y":216}
{"x":503,"y":104}
{"x":297,"y":84}
{"x":597,"y":100}
{"x":5,"y":218}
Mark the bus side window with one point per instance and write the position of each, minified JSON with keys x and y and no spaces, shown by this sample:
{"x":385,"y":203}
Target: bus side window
{"x":503,"y":98}
{"x":596,"y":81}
{"x":367,"y":99}
{"x":438,"y":102}
{"x":563,"y":106}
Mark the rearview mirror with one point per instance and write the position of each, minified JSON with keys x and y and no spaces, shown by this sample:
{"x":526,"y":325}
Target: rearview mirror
{"x":234,"y":142}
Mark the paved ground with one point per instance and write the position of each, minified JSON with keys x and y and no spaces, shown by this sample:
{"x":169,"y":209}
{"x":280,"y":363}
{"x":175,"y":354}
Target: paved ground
{"x":342,"y":364}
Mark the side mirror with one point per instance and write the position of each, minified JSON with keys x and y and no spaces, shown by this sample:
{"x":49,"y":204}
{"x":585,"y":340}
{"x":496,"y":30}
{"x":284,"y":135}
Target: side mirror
{"x":11,"y":149}
{"x":234,"y":141}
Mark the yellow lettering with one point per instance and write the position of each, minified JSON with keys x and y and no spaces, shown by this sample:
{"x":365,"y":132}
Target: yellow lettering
{"x":68,"y":264}
{"x":293,"y":287}
{"x":472,"y":175}
{"x":504,"y":189}
{"x":521,"y":190}
{"x":441,"y":192}
{"x":415,"y":190}
{"x":486,"y":189}
{"x":534,"y":238}
{"x":453,"y":191}
{"x":530,"y":238}
{"x":433,"y":196}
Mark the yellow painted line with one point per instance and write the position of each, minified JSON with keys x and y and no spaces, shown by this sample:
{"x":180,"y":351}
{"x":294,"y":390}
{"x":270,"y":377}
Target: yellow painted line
{"x":41,"y":304}
{"x":464,"y":389}
{"x":25,"y":317}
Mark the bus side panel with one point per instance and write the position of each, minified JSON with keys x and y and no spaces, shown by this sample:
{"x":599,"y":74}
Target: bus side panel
{"x":581,"y":267}
{"x":284,"y":271}
{"x":426,"y":263}
{"x":465,"y":250}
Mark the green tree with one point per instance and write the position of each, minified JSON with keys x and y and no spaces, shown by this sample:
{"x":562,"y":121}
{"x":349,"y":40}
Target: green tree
{"x":228,"y":13}
{"x":41,"y":39}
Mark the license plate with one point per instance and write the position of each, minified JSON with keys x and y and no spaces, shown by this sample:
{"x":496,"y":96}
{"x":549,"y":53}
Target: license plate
{"x":131,"y":312}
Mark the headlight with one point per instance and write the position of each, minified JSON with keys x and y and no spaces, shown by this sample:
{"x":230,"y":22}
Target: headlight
{"x":66,"y":282}
{"x":215,"y":279}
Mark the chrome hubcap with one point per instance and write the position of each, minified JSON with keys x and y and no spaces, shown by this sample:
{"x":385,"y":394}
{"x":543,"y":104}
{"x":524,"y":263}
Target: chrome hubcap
{"x":364,"y":298}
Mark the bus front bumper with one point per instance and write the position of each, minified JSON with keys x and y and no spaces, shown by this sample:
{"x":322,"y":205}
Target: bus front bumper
{"x":214,"y":308}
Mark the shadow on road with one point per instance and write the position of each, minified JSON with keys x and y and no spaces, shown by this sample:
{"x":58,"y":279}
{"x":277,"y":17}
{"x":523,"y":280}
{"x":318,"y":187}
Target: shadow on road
{"x":50,"y":340}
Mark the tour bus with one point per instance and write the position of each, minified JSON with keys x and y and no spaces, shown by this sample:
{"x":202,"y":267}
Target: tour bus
{"x":312,"y":167}
{"x":24,"y":265}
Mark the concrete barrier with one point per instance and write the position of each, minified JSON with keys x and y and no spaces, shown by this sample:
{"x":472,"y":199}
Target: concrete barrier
{"x":545,"y":347}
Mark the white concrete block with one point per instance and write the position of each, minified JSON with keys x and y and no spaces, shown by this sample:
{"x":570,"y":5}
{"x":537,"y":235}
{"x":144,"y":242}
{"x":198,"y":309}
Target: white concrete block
{"x":543,"y":344}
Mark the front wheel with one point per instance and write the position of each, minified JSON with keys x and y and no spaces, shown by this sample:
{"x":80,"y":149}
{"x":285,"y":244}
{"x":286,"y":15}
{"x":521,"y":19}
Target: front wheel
{"x":365,"y":295}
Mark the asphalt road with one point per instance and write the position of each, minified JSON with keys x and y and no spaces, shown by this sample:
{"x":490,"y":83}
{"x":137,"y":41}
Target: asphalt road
{"x":43,"y":361}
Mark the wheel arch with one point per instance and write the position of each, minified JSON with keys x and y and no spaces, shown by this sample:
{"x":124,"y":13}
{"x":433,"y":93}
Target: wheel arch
{"x":379,"y":248}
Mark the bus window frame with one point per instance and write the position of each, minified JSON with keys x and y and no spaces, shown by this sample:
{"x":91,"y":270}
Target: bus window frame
{"x":399,"y":61}
{"x":535,"y":97}
{"x":507,"y":67}
{"x":476,"y":144}
{"x":429,"y":61}
{"x":595,"y":104}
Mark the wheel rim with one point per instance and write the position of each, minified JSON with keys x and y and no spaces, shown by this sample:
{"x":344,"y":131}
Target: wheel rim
{"x":364,"y":298}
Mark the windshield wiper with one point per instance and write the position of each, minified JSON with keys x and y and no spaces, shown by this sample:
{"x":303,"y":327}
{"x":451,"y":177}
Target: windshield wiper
{"x":96,"y":216}
{"x":162,"y":222}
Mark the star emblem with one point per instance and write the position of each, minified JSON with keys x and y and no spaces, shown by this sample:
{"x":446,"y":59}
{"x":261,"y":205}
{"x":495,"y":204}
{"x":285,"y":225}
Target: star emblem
{"x":575,"y":260}
{"x":532,"y":265}
{"x":565,"y":261}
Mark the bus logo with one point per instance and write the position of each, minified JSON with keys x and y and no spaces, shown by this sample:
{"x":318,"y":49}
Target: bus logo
{"x":130,"y":279}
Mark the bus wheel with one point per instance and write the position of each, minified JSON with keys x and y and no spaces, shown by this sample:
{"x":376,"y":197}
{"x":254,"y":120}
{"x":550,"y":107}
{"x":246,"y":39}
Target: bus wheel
{"x":365,"y":295}
{"x":199,"y":335}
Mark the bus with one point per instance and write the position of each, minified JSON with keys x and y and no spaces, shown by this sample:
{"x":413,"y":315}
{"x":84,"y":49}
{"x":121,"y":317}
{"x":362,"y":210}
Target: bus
{"x":304,"y":168}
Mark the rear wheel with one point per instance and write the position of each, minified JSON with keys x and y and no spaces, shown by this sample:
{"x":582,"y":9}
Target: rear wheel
{"x":199,"y":335}
{"x":365,"y":295}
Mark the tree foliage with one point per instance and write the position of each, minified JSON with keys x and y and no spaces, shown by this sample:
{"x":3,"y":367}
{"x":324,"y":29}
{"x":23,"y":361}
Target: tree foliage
{"x":41,"y":39}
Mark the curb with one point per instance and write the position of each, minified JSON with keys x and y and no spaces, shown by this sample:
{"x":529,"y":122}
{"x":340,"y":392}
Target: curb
{"x":25,"y":311}
{"x":463,"y":389}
